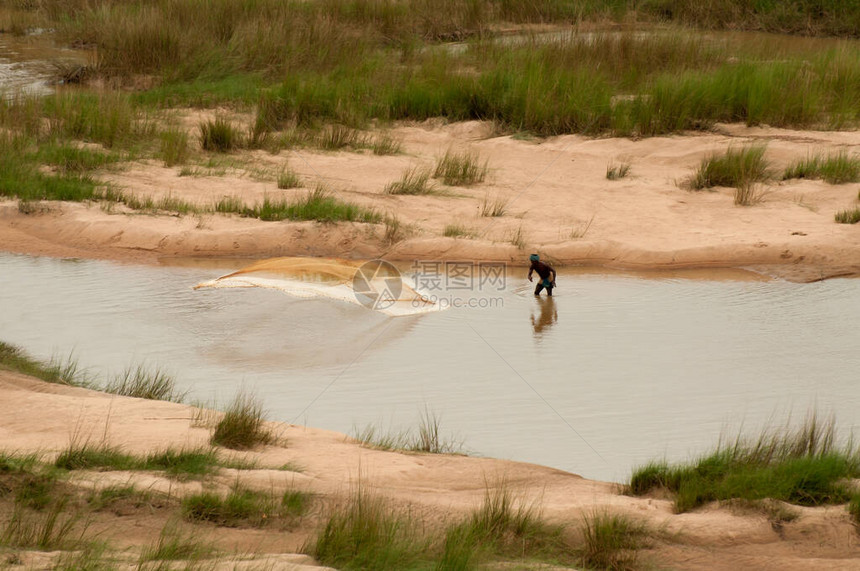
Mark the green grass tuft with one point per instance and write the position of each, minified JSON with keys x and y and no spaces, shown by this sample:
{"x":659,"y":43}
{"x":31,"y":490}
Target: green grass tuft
{"x":173,"y":545}
{"x":799,"y":466}
{"x":141,"y":382}
{"x":245,"y":507}
{"x":839,"y":168}
{"x":414,"y":181}
{"x":849,"y":216}
{"x":611,"y":541}
{"x":288,"y":178}
{"x":458,"y":231}
{"x":219,"y":135}
{"x":243,"y":425}
{"x":734,"y":168}
{"x":61,"y":371}
{"x":463,"y":169}
{"x":174,"y":147}
{"x":493,"y":207}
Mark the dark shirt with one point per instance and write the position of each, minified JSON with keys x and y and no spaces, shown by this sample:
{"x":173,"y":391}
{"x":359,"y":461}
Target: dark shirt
{"x":543,"y":270}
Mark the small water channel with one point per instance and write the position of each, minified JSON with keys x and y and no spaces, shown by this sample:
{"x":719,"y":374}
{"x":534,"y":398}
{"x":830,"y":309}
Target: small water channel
{"x":617,"y":370}
{"x":29,"y":64}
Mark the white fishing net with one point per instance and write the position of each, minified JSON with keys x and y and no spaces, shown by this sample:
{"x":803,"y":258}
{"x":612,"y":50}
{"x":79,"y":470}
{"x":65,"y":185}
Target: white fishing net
{"x":376,"y":284}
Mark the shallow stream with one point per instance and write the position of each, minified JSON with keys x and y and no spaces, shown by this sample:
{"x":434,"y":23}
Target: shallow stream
{"x":617,"y":370}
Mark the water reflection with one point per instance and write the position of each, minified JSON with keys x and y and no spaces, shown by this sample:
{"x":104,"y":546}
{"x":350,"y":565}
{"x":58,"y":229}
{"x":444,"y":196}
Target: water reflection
{"x":546,"y":319}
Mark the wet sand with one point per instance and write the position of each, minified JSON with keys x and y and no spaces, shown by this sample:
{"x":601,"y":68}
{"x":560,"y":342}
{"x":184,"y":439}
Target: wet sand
{"x":558,"y":200}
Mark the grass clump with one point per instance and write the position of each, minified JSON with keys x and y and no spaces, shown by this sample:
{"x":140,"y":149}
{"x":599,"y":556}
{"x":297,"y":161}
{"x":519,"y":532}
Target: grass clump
{"x":464,"y":169}
{"x":317,"y":205}
{"x":173,"y":146}
{"x":839,"y":168}
{"x":414,"y":181}
{"x":141,"y":382}
{"x":244,"y":507}
{"x":801,"y":466}
{"x":427,"y":438}
{"x":493,"y":207}
{"x":87,"y":456}
{"x":288,"y":178}
{"x":337,"y":137}
{"x":179,"y":463}
{"x":219,"y":135}
{"x":735,"y":168}
{"x":748,"y":194}
{"x":366,"y":534}
{"x":848,"y":216}
{"x":458,"y":231}
{"x":611,"y":541}
{"x":61,"y":371}
{"x":616,"y":172}
{"x":385,"y":144}
{"x":854,"y":509}
{"x":173,"y":545}
{"x":242,"y":425}
{"x":49,"y":530}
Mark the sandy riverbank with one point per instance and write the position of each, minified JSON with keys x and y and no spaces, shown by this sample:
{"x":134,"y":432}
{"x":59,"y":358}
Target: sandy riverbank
{"x":42,"y":418}
{"x":559,"y":202}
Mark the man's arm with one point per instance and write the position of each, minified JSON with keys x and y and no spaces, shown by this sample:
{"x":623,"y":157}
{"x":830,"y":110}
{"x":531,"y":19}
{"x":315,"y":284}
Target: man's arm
{"x":531,"y":269}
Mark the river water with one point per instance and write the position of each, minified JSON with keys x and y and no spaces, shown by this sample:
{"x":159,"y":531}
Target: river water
{"x":617,"y":370}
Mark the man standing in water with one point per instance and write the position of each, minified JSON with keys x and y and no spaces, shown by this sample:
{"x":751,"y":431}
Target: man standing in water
{"x":544,"y":271}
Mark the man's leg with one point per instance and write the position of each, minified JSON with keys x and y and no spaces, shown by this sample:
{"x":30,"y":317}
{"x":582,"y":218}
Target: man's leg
{"x":549,"y":291}
{"x":538,"y":288}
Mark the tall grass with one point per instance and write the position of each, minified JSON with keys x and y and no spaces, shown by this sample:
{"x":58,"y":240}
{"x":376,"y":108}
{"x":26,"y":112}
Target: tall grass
{"x":243,"y":425}
{"x":427,"y":437}
{"x":848,"y":216}
{"x":317,"y":205}
{"x":245,"y":507}
{"x":802,"y":465}
{"x":365,"y":533}
{"x":838,"y":168}
{"x":611,"y":541}
{"x":174,"y":146}
{"x":414,"y":181}
{"x":172,"y":545}
{"x":49,"y":530}
{"x":737,"y":167}
{"x":493,"y":207}
{"x":219,"y":135}
{"x":460,"y":169}
{"x":145,"y":383}
{"x":57,"y":370}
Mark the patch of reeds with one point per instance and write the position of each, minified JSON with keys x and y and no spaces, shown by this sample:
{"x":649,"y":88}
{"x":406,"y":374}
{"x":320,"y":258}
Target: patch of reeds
{"x":57,"y":370}
{"x":493,"y":207}
{"x":173,"y":146}
{"x":71,"y":159}
{"x":737,"y":167}
{"x":219,"y":135}
{"x":243,"y":425}
{"x":52,"y":529}
{"x":802,"y":465}
{"x":838,"y":168}
{"x":617,"y":171}
{"x":848,"y":216}
{"x":174,"y":545}
{"x":146,"y":383}
{"x":415,"y":181}
{"x":612,"y":541}
{"x":366,"y":533}
{"x":385,"y":144}
{"x":178,"y":463}
{"x":460,"y":169}
{"x":244,"y":507}
{"x":427,"y":437}
{"x":458,"y":231}
{"x":394,"y":230}
{"x":288,"y":178}
{"x":518,"y":238}
{"x":318,"y":204}
{"x":337,"y":137}
{"x":749,"y":194}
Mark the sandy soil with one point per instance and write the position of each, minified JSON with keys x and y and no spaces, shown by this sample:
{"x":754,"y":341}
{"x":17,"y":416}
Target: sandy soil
{"x":557,"y":193}
{"x":44,"y":418}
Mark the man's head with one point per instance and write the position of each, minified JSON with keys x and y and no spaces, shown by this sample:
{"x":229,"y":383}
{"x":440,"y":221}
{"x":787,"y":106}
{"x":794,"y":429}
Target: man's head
{"x":534,"y":258}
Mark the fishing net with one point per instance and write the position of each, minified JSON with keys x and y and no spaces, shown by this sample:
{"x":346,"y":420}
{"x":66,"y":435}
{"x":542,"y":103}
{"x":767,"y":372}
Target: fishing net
{"x":376,"y":284}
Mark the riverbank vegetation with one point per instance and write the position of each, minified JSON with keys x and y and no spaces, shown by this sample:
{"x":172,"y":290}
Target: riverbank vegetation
{"x":804,"y":465}
{"x":286,"y":75}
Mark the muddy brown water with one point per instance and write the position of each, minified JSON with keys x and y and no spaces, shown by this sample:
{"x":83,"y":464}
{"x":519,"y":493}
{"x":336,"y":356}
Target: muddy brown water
{"x":617,"y":370}
{"x":28,"y":64}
